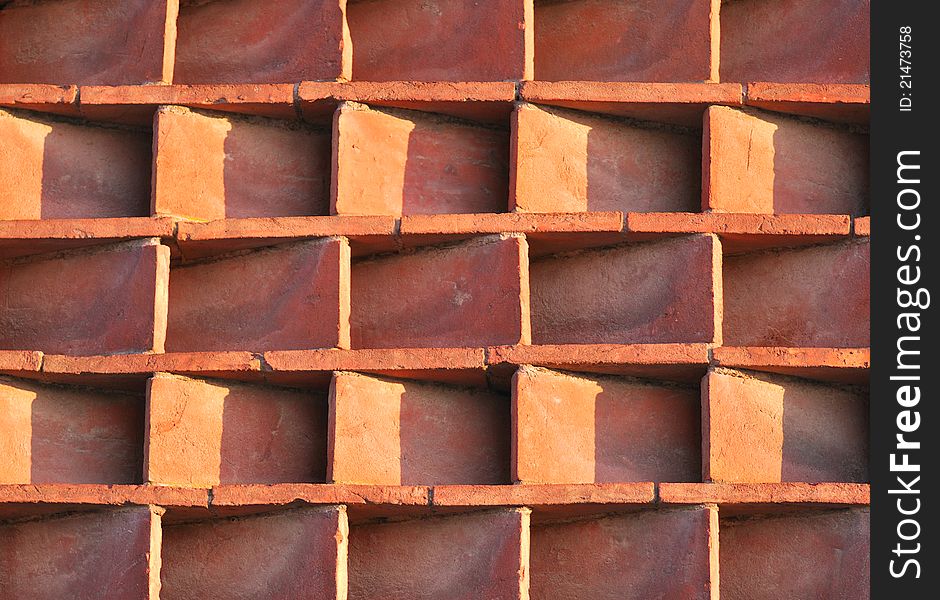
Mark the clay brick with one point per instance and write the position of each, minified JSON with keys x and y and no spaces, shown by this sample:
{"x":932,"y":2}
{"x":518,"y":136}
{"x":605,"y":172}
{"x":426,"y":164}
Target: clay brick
{"x":239,"y":41}
{"x":441,"y":40}
{"x":844,"y":365}
{"x":203,"y":432}
{"x":44,"y":236}
{"x":481,"y":555}
{"x":632,"y":555}
{"x":87,"y":41}
{"x":658,"y":292}
{"x":801,"y":555}
{"x":769,"y":429}
{"x":573,"y":428}
{"x":52,"y":169}
{"x":53,"y":434}
{"x":832,"y":44}
{"x":610,"y":40}
{"x":283,"y":298}
{"x":105,"y":554}
{"x":817,"y":296}
{"x":211,"y":166}
{"x":570,"y":161}
{"x":108,"y":299}
{"x":393,"y":162}
{"x":759,"y":162}
{"x":298,"y":553}
{"x":837,"y":102}
{"x":776,"y":496}
{"x":471,"y":294}
{"x":384,"y":431}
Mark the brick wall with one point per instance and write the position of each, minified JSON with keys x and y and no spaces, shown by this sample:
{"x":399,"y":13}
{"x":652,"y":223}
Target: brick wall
{"x":367,"y":299}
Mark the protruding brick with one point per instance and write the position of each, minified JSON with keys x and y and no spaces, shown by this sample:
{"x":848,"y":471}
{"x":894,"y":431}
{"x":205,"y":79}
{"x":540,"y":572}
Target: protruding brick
{"x":830,"y":45}
{"x":611,"y":40}
{"x":768,"y":429}
{"x":570,"y":161}
{"x":298,"y":553}
{"x":394,"y":162}
{"x":757,"y":162}
{"x":105,"y":300}
{"x":817,"y":296}
{"x":441,"y":40}
{"x":283,"y":298}
{"x":203,"y":432}
{"x":471,"y":294}
{"x":572,"y":428}
{"x":797,"y":555}
{"x":240,"y":41}
{"x":391,"y":432}
{"x":52,"y":434}
{"x":481,"y":555}
{"x":632,"y":555}
{"x":87,"y":41}
{"x":658,"y":292}
{"x":212,"y":166}
{"x":53,"y":169}
{"x":106,"y":554}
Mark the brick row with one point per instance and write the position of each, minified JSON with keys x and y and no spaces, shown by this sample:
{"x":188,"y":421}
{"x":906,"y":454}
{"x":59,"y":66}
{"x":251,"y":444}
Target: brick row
{"x":205,"y":41}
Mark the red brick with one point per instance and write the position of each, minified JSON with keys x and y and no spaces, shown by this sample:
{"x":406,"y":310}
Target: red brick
{"x":43,"y":236}
{"x":800,"y":555}
{"x":649,"y":554}
{"x":211,"y":166}
{"x":769,"y":429}
{"x":54,"y":434}
{"x":384,"y":431}
{"x":203,"y":432}
{"x":441,"y":40}
{"x":643,"y":40}
{"x":778,"y":496}
{"x":108,"y":299}
{"x":471,"y":294}
{"x":51,"y":169}
{"x":862,"y":226}
{"x":831,"y":43}
{"x":763,"y":163}
{"x":297,"y":553}
{"x":392,"y":162}
{"x":88,"y":41}
{"x":240,"y":41}
{"x":571,"y":428}
{"x":569,"y":161}
{"x":657,"y":292}
{"x":816,"y":296}
{"x":481,"y":555}
{"x":286,"y":297}
{"x":838,"y":102}
{"x":107,"y":554}
{"x":846,"y":365}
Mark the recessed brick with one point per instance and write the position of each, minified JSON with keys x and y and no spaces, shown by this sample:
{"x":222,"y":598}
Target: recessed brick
{"x":648,"y":554}
{"x":817,"y":296}
{"x":299,"y":553}
{"x":658,"y":292}
{"x":397,"y":162}
{"x":247,"y":41}
{"x":766,"y":429}
{"x":393,"y":432}
{"x":214,"y":166}
{"x":282,"y":298}
{"x":574,"y":428}
{"x":568,"y":161}
{"x":104,"y":300}
{"x":106,"y":554}
{"x":441,"y":40}
{"x":797,"y":555}
{"x":480,"y":555}
{"x":87,"y":42}
{"x":758,"y":162}
{"x":471,"y":294}
{"x":54,"y":169}
{"x":795,"y":41}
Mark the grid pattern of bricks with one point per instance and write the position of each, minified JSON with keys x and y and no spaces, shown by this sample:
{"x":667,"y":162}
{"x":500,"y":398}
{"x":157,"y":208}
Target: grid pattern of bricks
{"x":365,"y":299}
